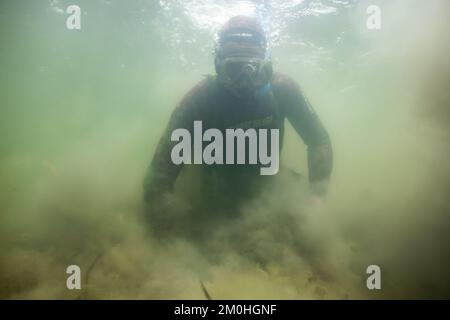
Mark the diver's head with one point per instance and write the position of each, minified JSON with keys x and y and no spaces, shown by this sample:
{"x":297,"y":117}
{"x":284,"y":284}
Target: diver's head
{"x":242,"y":61}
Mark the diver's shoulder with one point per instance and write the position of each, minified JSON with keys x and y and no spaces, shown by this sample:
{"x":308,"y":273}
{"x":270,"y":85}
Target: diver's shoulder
{"x":283,"y":81}
{"x":201,"y":88}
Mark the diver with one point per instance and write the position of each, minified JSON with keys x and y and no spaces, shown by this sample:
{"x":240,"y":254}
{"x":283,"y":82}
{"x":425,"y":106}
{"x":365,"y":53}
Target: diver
{"x":244,"y":93}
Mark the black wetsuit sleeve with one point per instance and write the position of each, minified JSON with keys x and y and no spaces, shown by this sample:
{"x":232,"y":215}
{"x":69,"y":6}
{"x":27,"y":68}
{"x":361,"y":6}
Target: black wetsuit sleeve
{"x":162,"y":172}
{"x":307,"y":124}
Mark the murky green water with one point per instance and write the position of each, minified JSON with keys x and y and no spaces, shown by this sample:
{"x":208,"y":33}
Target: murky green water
{"x":82,"y":110}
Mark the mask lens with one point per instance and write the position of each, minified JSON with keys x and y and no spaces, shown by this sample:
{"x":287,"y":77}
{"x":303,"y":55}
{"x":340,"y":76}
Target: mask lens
{"x":233,"y":69}
{"x":236,"y":69}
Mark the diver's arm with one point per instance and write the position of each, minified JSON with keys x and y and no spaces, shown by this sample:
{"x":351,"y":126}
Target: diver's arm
{"x":159,"y":181}
{"x":162,"y":172}
{"x":320,"y":163}
{"x":308,"y":125}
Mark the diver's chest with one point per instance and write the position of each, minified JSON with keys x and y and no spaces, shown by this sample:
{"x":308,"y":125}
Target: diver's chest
{"x":222,"y":115}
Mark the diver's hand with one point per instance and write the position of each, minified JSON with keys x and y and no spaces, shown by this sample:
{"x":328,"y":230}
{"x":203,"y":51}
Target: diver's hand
{"x":319,"y":187}
{"x":318,"y":191}
{"x":316,"y":201}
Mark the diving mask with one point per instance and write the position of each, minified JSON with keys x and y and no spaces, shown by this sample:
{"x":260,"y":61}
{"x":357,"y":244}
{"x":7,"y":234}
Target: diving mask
{"x":244,"y":75}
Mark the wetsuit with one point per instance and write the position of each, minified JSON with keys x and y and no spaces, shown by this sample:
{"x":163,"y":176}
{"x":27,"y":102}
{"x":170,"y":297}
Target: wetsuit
{"x":210,"y":103}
